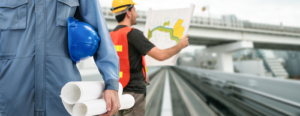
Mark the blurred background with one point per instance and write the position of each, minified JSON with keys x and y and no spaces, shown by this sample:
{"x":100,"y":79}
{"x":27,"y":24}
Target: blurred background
{"x":243,"y":60}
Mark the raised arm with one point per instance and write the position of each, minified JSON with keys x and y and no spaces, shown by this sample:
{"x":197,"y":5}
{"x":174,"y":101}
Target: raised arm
{"x":165,"y":54}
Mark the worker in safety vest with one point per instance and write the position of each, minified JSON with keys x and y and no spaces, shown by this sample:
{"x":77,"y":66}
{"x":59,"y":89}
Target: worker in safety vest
{"x":36,"y":62}
{"x":132,"y":46}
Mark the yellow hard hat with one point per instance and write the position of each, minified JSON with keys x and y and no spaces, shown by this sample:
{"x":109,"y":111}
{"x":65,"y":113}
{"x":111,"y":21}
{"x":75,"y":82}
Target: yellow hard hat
{"x":120,"y":5}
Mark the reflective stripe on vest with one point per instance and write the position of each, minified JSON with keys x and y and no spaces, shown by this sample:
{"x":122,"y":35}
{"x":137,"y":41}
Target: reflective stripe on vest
{"x":120,"y":40}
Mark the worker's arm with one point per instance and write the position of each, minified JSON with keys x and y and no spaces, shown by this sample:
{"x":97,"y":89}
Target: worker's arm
{"x":106,"y":57}
{"x":165,"y":54}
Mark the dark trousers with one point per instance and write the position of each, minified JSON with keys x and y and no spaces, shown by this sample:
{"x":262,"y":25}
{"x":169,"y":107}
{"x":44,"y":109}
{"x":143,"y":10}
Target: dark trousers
{"x":139,"y":107}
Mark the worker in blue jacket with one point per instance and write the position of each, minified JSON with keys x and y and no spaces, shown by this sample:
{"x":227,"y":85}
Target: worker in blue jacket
{"x":34,"y":57}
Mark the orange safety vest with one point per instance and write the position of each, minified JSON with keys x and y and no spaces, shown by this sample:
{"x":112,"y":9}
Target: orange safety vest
{"x":120,"y":40}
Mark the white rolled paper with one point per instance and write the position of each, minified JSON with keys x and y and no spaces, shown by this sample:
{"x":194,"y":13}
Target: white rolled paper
{"x":120,"y":91}
{"x":96,"y":107}
{"x":74,"y":92}
{"x":68,"y":107}
{"x":127,"y":101}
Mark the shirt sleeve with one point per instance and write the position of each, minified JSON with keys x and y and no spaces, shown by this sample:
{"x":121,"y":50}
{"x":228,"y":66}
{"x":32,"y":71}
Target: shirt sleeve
{"x":106,"y":57}
{"x":139,"y":41}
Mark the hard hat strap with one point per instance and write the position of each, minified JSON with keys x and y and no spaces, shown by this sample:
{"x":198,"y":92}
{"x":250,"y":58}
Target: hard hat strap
{"x":115,"y":8}
{"x":124,"y":11}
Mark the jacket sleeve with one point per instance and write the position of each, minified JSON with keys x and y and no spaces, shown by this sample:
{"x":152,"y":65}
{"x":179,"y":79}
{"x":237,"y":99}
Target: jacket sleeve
{"x":106,"y":57}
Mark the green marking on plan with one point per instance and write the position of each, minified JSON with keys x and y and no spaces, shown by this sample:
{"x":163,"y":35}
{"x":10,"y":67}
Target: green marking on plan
{"x":175,"y":33}
{"x":166,"y":24}
{"x":164,"y":29}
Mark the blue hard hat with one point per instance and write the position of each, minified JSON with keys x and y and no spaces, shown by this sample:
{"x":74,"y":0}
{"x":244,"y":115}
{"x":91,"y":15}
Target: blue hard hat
{"x":83,"y":40}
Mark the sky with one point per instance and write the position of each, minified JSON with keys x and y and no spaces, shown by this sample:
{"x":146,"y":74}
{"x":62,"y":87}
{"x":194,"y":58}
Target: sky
{"x":274,"y":12}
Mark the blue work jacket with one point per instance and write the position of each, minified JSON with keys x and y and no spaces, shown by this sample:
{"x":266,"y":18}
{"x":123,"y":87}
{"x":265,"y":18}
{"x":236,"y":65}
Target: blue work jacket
{"x":34,"y":58}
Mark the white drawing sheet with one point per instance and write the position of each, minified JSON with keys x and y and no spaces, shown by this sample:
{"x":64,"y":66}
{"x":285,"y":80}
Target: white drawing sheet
{"x":165,"y":28}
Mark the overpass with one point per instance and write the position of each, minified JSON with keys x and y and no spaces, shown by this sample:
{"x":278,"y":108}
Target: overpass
{"x":212,"y":32}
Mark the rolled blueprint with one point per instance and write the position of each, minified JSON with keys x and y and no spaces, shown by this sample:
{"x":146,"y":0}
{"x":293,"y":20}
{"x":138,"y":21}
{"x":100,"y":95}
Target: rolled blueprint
{"x":68,"y":107}
{"x":96,"y":107}
{"x":120,"y":91}
{"x":74,"y":92}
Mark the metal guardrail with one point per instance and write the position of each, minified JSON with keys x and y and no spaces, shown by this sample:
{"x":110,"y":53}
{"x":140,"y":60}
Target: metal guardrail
{"x":215,"y":99}
{"x":155,"y":94}
{"x":184,"y":101}
{"x":229,"y":86}
{"x":247,"y":97}
{"x":279,"y":99}
{"x":193,"y":102}
{"x":262,"y":104}
{"x":225,"y":22}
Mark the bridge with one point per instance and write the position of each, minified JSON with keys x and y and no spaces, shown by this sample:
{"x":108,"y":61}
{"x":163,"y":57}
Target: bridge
{"x":212,"y":32}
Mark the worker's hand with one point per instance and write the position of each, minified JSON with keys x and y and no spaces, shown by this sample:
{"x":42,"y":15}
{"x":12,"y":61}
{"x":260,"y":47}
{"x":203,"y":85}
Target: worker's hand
{"x":112,"y":102}
{"x":184,"y":42}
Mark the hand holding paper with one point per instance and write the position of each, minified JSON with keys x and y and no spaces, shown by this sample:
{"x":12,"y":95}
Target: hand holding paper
{"x":86,"y":99}
{"x":112,"y":102}
{"x":184,"y":42}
